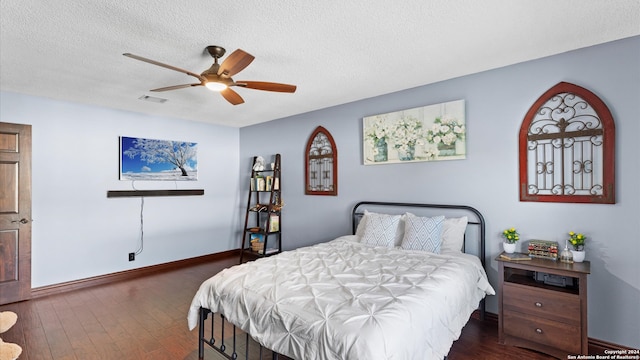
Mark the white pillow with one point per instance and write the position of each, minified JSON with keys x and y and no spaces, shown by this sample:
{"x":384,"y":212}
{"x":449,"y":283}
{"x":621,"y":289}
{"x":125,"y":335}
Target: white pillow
{"x":362,"y":225}
{"x":380,"y":229}
{"x":422,"y":233}
{"x":453,"y":234}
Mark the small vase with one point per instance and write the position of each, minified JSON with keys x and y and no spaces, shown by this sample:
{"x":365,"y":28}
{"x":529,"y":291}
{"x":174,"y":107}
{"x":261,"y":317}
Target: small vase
{"x":578,"y":256}
{"x":408,"y":154}
{"x":380,"y":150}
{"x":446,"y":150}
{"x":509,"y":248}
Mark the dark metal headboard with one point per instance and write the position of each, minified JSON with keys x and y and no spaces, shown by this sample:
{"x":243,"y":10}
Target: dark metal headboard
{"x":475,"y":225}
{"x":475,"y":217}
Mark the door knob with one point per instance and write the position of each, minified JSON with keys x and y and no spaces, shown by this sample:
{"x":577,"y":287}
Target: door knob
{"x":21,"y":221}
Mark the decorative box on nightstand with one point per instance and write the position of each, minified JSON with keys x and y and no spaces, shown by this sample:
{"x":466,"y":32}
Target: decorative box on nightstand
{"x":546,"y":316}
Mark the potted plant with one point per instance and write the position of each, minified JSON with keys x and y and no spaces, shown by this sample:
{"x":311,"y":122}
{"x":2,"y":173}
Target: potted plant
{"x":510,"y":236}
{"x":577,"y":242}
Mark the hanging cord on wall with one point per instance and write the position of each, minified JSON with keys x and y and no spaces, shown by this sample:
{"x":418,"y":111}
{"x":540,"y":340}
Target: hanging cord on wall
{"x":141,"y":226}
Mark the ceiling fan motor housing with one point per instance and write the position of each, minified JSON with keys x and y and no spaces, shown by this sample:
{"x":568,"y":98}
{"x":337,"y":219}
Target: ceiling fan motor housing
{"x":211,"y":74}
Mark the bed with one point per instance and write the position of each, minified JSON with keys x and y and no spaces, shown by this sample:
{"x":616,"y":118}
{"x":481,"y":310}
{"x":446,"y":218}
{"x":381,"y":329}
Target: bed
{"x":402,"y":286}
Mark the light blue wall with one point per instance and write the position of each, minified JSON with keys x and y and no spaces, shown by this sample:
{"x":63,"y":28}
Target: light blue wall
{"x":496,"y":102}
{"x":78,"y":232}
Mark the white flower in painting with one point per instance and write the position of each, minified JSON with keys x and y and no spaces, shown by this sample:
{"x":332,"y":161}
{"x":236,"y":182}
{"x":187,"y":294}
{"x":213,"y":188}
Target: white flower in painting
{"x":378,"y":129}
{"x":448,"y":119}
{"x":431,"y":151}
{"x":449,"y":138}
{"x":406,"y":133}
{"x":446,"y":129}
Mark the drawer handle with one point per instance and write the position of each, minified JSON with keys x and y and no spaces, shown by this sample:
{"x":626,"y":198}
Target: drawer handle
{"x":538,"y":304}
{"x":538,"y":330}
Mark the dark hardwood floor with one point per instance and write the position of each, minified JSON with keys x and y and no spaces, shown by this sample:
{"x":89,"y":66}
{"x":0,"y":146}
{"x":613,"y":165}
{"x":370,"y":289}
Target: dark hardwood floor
{"x":145,"y":318}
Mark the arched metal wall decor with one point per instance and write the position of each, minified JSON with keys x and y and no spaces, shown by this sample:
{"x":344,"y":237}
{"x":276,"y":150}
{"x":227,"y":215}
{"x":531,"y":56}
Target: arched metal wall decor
{"x":567,"y":148}
{"x":321,"y":164}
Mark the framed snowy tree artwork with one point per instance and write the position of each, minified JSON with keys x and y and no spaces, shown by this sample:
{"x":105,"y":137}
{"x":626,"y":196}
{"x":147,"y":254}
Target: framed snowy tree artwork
{"x":150,"y":159}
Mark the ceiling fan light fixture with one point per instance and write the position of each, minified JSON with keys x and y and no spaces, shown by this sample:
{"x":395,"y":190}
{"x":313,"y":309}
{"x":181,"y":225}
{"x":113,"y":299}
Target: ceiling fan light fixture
{"x":215,"y":86}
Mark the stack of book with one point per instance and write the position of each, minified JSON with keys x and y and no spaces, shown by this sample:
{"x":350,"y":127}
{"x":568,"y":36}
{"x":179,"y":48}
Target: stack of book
{"x":514,"y":256}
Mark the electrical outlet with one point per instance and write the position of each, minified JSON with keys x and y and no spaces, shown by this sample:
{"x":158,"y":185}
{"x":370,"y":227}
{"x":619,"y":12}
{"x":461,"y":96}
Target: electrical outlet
{"x":132,"y":256}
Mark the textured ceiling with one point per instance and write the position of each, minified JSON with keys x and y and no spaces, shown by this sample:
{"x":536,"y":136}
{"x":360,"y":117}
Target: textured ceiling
{"x":335,"y":51}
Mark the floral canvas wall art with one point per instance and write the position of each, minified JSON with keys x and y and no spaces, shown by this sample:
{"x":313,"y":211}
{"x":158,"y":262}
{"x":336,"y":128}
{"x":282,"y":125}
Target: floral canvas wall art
{"x":150,"y":159}
{"x":428,"y":133}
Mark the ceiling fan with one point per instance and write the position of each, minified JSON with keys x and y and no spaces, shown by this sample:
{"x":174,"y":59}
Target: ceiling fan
{"x":218,"y":76}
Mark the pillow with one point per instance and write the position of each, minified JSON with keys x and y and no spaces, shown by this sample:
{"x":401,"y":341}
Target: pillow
{"x":380,"y":229}
{"x":453,"y":234}
{"x":422,"y":233}
{"x":362,"y":224}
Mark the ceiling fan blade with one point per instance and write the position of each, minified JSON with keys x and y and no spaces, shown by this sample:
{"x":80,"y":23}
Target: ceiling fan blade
{"x":170,"y":67}
{"x":175,"y":87}
{"x":235,"y":62}
{"x":268,"y":86}
{"x":232,"y":96}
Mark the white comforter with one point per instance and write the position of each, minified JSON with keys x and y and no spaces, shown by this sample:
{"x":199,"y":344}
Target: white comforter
{"x":345,"y":300}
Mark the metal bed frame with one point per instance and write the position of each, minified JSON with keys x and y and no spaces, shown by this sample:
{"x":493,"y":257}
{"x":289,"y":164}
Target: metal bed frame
{"x":241,"y":345}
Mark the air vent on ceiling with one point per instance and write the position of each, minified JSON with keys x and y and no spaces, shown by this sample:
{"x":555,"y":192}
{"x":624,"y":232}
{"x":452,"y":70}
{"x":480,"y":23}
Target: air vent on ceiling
{"x":152,"y":99}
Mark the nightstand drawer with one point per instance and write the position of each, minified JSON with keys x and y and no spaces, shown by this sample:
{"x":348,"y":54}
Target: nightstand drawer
{"x":552,"y":305}
{"x":543,"y":331}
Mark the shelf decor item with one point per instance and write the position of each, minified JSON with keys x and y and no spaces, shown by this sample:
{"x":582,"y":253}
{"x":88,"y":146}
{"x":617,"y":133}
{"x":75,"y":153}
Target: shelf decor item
{"x":515,"y":256}
{"x":274,"y":223}
{"x":258,"y":164}
{"x":509,"y":248}
{"x":257,"y":245}
{"x":510,"y":236}
{"x":543,"y":249}
{"x":577,"y":241}
{"x":566,"y":256}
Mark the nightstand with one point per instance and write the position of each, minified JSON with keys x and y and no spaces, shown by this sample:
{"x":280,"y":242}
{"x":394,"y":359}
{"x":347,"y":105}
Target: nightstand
{"x":543,"y":305}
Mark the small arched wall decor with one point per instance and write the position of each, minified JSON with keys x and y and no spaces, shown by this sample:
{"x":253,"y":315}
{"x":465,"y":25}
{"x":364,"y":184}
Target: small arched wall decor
{"x":321,"y":164}
{"x":567,"y":148}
